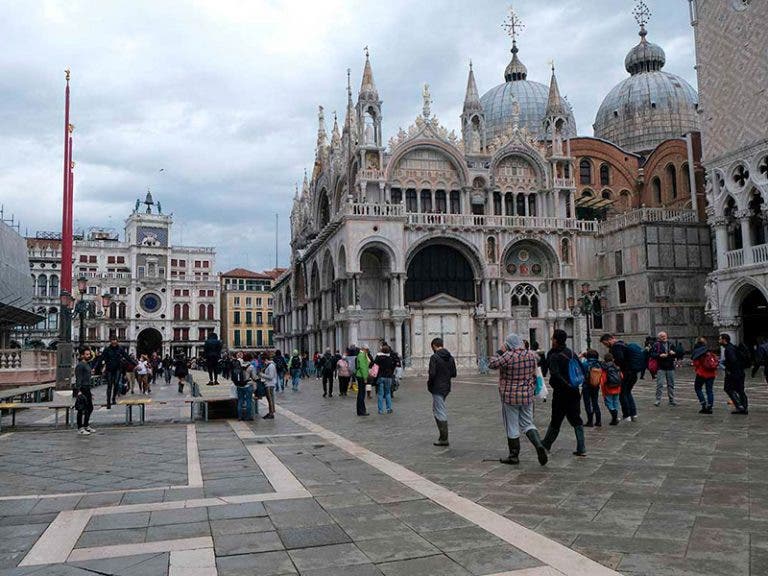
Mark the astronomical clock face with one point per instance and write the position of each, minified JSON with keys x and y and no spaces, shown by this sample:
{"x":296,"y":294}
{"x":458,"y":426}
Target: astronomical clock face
{"x":151,"y":236}
{"x":150,"y":303}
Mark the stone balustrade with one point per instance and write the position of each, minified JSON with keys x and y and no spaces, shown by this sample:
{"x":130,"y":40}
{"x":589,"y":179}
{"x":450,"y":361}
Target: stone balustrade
{"x":645,"y":215}
{"x":20,"y":367}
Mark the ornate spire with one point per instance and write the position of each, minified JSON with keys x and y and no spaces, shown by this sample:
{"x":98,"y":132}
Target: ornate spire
{"x":335,"y":136}
{"x":642,"y":15}
{"x":516,"y":70}
{"x":426,"y":97}
{"x":322,"y":135}
{"x":472,"y":97}
{"x":368,"y":86}
{"x":350,"y":116}
{"x":646,"y":56}
{"x":555,"y":102}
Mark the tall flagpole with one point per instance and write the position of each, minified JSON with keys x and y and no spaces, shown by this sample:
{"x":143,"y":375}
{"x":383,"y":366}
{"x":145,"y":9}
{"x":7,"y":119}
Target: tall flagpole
{"x":66,"y":219}
{"x":276,"y":225}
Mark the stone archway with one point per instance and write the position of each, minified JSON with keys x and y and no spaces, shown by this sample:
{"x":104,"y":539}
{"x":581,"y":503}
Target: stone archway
{"x":148,"y":341}
{"x":753,"y":312}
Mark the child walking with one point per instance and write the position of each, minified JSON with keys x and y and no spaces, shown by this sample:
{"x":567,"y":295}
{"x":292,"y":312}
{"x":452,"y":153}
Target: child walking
{"x":611,"y":386}
{"x":590,"y":390}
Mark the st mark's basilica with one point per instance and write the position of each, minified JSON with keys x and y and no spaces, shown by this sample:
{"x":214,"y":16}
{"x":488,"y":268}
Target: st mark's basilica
{"x":514,"y":224}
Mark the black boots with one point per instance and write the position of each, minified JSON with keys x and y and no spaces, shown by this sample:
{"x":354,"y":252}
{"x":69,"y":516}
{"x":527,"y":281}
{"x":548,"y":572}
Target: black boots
{"x":589,"y":421}
{"x":614,"y":418}
{"x":581,"y":449}
{"x":514,"y":452}
{"x":550,"y":437}
{"x":442,"y":427}
{"x":541,"y":452}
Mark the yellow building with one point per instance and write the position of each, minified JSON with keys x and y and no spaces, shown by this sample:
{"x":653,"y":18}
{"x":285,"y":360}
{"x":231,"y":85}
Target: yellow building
{"x":246,"y":309}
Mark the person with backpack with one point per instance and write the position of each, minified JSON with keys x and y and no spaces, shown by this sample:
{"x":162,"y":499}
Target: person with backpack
{"x":344,"y":372}
{"x":611,"y":387}
{"x":384,"y":377}
{"x":565,"y":379}
{"x":327,"y":367}
{"x":442,"y":368}
{"x":111,"y":359}
{"x":282,"y":368}
{"x":590,"y":390}
{"x":630,"y":359}
{"x":705,"y":364}
{"x":82,"y":391}
{"x":294,"y":365}
{"x":664,"y":353}
{"x":733,"y":383}
{"x":517,"y":382}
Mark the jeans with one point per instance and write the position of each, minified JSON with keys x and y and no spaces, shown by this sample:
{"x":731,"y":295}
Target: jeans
{"x":667,"y":376}
{"x":384,"y":388}
{"x":328,"y":384}
{"x":591,"y":396}
{"x":438,"y":407}
{"x":627,"y":401}
{"x":518,"y":418}
{"x":295,"y":378}
{"x":361,"y":397}
{"x":113,"y":384}
{"x":212,"y":363}
{"x":245,"y":402}
{"x":611,"y":402}
{"x":709,"y":384}
{"x":280,"y":385}
{"x":84,"y":416}
{"x":168,"y":374}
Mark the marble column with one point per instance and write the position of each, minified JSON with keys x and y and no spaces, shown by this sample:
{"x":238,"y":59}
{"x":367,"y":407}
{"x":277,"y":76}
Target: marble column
{"x":746,"y":236}
{"x":399,"y":337}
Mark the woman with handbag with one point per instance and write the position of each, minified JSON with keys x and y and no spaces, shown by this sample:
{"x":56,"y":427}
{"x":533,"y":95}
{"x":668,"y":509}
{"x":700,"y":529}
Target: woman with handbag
{"x":384,"y":367}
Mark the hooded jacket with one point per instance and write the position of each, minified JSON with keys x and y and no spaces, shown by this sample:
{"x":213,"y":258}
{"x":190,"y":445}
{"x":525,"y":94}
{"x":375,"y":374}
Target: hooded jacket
{"x":212,"y":347}
{"x":442,"y":367}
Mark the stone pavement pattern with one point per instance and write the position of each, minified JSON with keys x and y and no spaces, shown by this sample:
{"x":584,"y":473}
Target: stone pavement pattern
{"x":673,"y":494}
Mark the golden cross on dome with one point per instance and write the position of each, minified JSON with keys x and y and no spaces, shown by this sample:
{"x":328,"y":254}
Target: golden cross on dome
{"x":642,"y":13}
{"x":513,"y":25}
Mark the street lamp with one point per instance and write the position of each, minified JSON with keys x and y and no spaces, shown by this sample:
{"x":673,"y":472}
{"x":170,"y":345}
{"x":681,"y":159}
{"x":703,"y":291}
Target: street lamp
{"x":85,"y":309}
{"x":586,"y":306}
{"x":64,"y":345}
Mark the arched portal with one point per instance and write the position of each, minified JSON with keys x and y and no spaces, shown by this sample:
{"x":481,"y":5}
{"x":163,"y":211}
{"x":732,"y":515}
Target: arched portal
{"x":439,"y":268}
{"x":754,"y":317}
{"x":148,"y":341}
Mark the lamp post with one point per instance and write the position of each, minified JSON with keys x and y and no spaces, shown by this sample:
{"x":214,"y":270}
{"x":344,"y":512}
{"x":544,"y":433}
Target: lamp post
{"x":64,"y":345}
{"x":585,"y":306}
{"x":85,"y":309}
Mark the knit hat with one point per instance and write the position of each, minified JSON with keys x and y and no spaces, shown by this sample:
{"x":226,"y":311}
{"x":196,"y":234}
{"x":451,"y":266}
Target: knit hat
{"x":513,"y":341}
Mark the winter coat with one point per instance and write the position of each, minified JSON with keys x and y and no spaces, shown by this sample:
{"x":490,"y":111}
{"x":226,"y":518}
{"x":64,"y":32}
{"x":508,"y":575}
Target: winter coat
{"x":112,"y":358}
{"x":442,"y":367}
{"x":386,"y":365}
{"x":82,"y":375}
{"x":212,"y":348}
{"x":362,"y":365}
{"x":181,"y":370}
{"x":557,"y":365}
{"x":732,"y":362}
{"x":667,"y":363}
{"x":328,"y":365}
{"x":697,"y":355}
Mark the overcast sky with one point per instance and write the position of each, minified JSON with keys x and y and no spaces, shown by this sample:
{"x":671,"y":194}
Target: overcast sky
{"x":222,"y":95}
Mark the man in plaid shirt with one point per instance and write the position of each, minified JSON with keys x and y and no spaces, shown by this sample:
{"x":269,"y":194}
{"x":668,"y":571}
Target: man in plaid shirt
{"x":517,"y":381}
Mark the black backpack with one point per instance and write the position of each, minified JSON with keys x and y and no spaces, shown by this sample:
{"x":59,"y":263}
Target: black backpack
{"x":744,"y":355}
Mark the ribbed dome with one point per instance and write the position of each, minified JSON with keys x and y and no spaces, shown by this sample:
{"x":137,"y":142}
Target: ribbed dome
{"x":532,"y":97}
{"x":650,"y":106}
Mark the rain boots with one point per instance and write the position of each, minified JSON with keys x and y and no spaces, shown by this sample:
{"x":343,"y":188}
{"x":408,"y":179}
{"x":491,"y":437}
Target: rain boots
{"x":614,"y":418}
{"x":442,"y":427}
{"x":514,"y":452}
{"x":541,"y":452}
{"x":581,"y":449}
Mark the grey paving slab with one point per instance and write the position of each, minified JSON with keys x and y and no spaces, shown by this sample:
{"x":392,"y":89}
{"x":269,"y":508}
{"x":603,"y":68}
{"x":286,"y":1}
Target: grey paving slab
{"x":312,"y":536}
{"x":245,"y":510}
{"x":502,"y":558}
{"x":116,"y":521}
{"x":333,"y":556}
{"x":467,"y":538}
{"x":241,"y":525}
{"x":111,"y":537}
{"x":399,"y":547}
{"x":354,"y":570}
{"x":178,"y":531}
{"x":250,"y":543}
{"x":420,"y":566}
{"x":301,"y":519}
{"x":178,"y":516}
{"x":276,"y":563}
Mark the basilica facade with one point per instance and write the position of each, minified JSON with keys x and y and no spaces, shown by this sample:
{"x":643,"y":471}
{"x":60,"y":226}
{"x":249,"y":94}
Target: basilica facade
{"x":512,"y":224}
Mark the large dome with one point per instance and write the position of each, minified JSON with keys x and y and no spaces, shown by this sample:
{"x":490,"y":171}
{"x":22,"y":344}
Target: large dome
{"x":531,"y":97}
{"x":650,"y":106}
{"x":498,"y":105}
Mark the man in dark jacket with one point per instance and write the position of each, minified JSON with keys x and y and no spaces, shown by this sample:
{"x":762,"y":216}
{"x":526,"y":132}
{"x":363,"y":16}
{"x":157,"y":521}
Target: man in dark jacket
{"x":327,"y":368}
{"x":665,"y":354}
{"x":566,"y":399}
{"x":212,"y":353}
{"x":442,"y":367}
{"x":112,"y":359}
{"x":734,"y":376}
{"x":623,"y":359}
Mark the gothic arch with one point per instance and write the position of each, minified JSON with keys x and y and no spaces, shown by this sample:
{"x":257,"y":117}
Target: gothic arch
{"x":323,"y":211}
{"x":314,"y":281}
{"x":328,"y":276}
{"x":451,"y":153}
{"x":468,"y":250}
{"x":737,"y":292}
{"x":383,"y":244}
{"x":342,"y":263}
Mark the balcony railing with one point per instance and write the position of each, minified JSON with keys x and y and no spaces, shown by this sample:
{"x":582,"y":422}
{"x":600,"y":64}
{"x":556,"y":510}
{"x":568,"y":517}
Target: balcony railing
{"x":760,"y":254}
{"x":564,"y":183}
{"x":642,"y":215}
{"x":360,"y":209}
{"x":24,"y":367}
{"x":734,"y":258}
{"x":479,"y":220}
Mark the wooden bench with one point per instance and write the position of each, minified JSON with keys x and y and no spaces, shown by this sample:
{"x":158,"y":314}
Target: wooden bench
{"x":12,"y":407}
{"x":37,"y":393}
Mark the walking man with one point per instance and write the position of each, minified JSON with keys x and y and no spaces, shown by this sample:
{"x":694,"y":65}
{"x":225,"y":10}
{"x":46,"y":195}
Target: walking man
{"x":734,"y":376}
{"x":112,"y":358}
{"x":442,"y":367}
{"x":84,"y":398}
{"x":271,"y":378}
{"x":622,"y":356}
{"x":665,"y":355}
{"x":328,"y":370}
{"x":517,"y":381}
{"x":566,"y":400}
{"x":212,"y":353}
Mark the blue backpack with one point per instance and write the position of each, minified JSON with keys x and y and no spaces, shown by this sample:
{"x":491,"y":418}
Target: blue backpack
{"x":575,"y":373}
{"x":636,"y":360}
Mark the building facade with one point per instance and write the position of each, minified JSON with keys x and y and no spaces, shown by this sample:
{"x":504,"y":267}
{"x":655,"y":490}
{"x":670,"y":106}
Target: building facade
{"x":732,"y":66}
{"x":470,"y":237}
{"x":247,"y":308}
{"x":162,"y":298}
